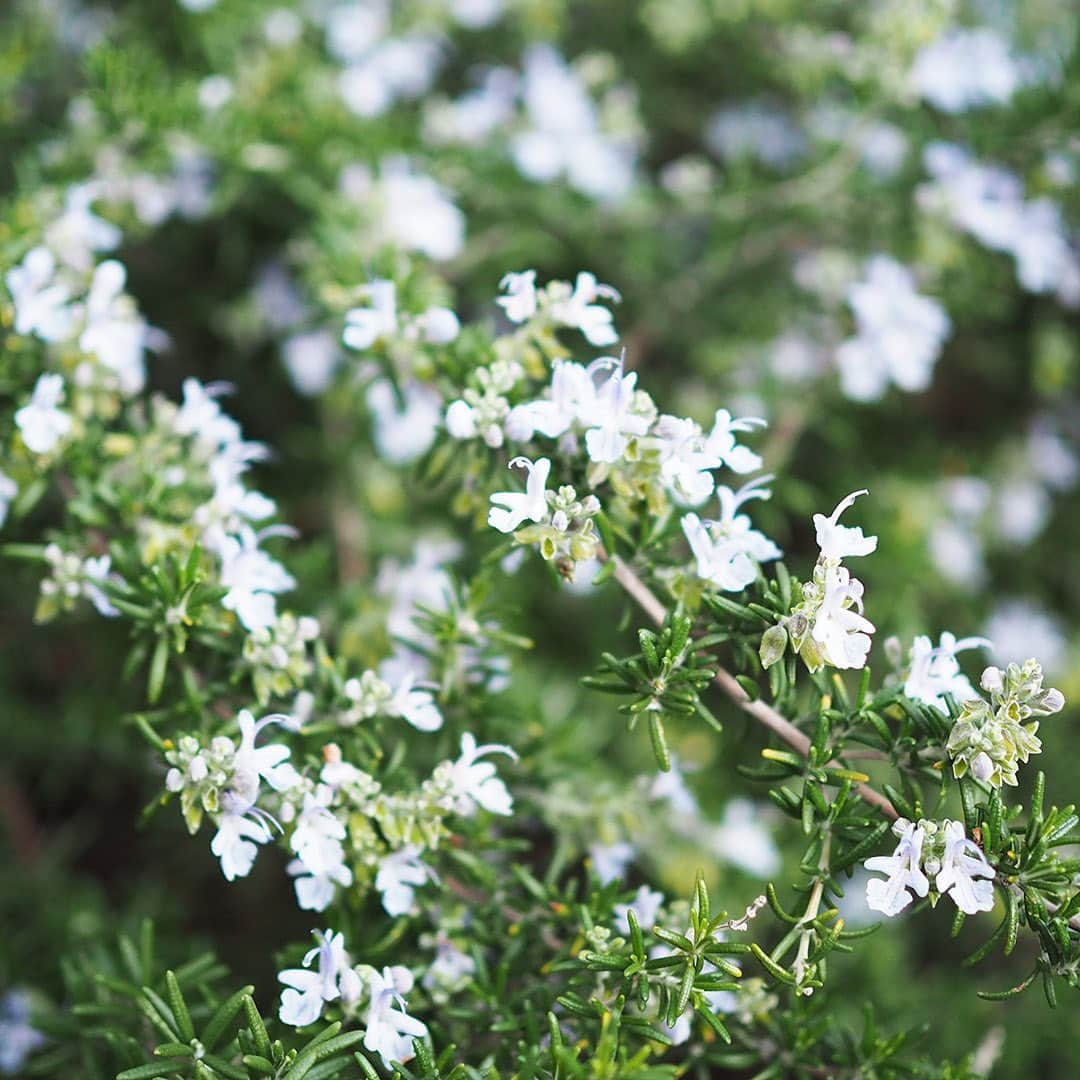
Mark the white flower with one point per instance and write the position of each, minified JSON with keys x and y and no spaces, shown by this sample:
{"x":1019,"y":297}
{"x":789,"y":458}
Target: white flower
{"x":96,"y":572}
{"x":8,"y":490}
{"x":115,"y":332}
{"x":390,"y":1029}
{"x":645,"y":906}
{"x":565,"y":137}
{"x":612,"y":422}
{"x":839,"y":541}
{"x":438,"y":325}
{"x":283,"y":27}
{"x":200,"y":415}
{"x":758,"y":130}
{"x":672,"y":787}
{"x":41,"y":302}
{"x":736,"y":528}
{"x":302,"y":1001}
{"x":242,"y":824}
{"x":214,"y":92}
{"x":573,"y":395}
{"x":899,"y":333}
{"x":519,"y":303}
{"x":729,"y":550}
{"x":510,"y":508}
{"x":415,"y":705}
{"x":965,"y":875}
{"x":18,"y":1039}
{"x":252,"y":578}
{"x":352,"y":29}
{"x":311,"y":358}
{"x":451,"y":967}
{"x":474,"y":783}
{"x":315,"y":892}
{"x":235,"y":842}
{"x":475,"y":116}
{"x":934,"y":670}
{"x":685,"y":465}
{"x":1019,"y":629}
{"x":581,"y":311}
{"x":404,"y":428}
{"x":902,"y":871}
{"x":988,"y":202}
{"x":476,"y":14}
{"x":317,"y":841}
{"x":965,"y":67}
{"x":418,"y":214}
{"x":840,"y":629}
{"x":317,"y":837}
{"x":266,"y":762}
{"x":78,"y":233}
{"x":610,"y":861}
{"x":399,"y":67}
{"x":43,"y":423}
{"x":723,"y":564}
{"x":461,"y":420}
{"x":721,"y":441}
{"x":365,"y":325}
{"x":400,"y":874}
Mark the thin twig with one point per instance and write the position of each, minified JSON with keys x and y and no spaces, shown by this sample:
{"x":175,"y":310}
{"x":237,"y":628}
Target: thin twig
{"x":760,"y":710}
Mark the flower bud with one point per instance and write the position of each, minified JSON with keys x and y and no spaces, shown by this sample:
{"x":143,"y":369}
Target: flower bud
{"x":773,"y":646}
{"x":982,"y":767}
{"x":991,"y":680}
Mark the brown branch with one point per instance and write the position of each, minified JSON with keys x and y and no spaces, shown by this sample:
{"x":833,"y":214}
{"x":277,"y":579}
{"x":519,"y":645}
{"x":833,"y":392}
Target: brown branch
{"x":760,"y":710}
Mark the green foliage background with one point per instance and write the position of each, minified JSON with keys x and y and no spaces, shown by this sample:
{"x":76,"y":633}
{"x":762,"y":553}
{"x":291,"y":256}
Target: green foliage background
{"x":706,"y":286}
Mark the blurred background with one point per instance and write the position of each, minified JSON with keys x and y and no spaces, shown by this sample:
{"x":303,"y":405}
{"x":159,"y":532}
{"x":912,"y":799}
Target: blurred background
{"x":857,"y":221}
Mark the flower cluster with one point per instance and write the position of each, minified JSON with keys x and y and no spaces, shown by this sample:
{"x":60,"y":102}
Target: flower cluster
{"x":827,"y":626}
{"x":218,"y":455}
{"x":224,"y":779}
{"x":561,"y":524}
{"x":899,"y":333}
{"x":278,"y":655}
{"x":389,"y":1028}
{"x":990,"y":739}
{"x":335,"y":826}
{"x":931,"y":855}
{"x":70,"y":578}
{"x":988,"y":202}
{"x":369,"y":695}
{"x":482,"y":410}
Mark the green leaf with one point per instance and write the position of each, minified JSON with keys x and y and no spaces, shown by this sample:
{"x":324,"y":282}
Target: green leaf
{"x":659,"y":741}
{"x":256,"y":1026}
{"x":224,"y":1015}
{"x":179,"y":1006}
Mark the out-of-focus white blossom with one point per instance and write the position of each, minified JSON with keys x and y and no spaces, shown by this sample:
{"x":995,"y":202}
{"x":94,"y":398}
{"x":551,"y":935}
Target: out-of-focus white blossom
{"x":42,"y":302}
{"x":965,"y":68}
{"x":42,"y":423}
{"x":899,"y":333}
{"x":564,"y":136}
